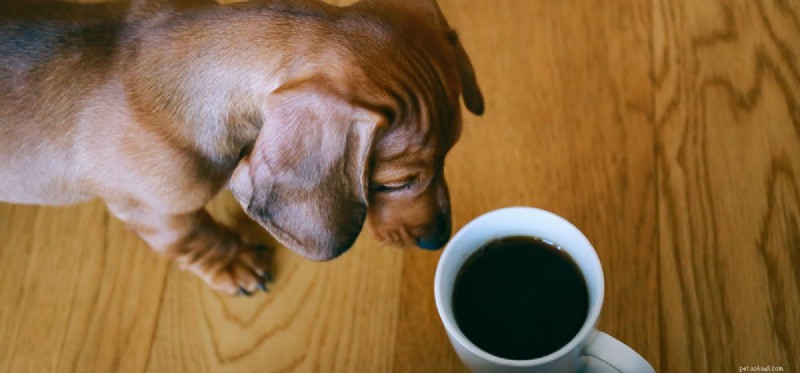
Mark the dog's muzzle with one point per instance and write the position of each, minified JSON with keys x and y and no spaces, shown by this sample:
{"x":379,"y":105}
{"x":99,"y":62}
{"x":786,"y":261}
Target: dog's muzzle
{"x":438,"y":236}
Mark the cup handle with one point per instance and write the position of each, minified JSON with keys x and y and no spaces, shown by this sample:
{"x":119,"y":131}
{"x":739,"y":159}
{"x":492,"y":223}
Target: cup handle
{"x":606,"y":354}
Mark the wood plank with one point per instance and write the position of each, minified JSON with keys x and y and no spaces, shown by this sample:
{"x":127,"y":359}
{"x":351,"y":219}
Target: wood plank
{"x":77,"y":291}
{"x":728,"y":83}
{"x":568,"y":128}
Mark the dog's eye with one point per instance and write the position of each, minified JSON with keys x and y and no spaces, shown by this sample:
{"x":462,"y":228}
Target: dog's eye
{"x":391,"y":187}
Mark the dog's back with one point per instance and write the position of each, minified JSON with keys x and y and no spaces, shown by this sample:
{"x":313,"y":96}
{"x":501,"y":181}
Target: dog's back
{"x":45,"y":48}
{"x":32,"y":36}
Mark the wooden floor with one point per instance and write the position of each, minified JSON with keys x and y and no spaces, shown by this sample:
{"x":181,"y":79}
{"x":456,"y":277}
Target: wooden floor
{"x":668,"y":131}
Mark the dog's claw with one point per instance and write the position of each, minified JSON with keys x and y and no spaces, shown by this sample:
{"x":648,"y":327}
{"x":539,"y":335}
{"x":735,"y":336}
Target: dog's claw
{"x":243,"y":291}
{"x":263,"y":287}
{"x":261,"y":248}
{"x":267,"y":277}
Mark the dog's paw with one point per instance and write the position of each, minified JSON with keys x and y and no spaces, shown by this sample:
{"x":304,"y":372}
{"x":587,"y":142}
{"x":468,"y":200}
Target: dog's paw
{"x":263,"y":276}
{"x":237,"y":270}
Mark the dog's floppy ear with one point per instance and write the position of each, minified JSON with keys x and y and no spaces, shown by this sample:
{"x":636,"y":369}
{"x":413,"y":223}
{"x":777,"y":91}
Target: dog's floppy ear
{"x":473,"y":98}
{"x":306,"y":178}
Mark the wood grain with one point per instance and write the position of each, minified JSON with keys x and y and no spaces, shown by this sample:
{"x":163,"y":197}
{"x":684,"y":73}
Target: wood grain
{"x":668,"y":131}
{"x":728,"y":118}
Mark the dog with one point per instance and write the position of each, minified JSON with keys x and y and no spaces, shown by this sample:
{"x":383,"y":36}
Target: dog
{"x":315,"y":116}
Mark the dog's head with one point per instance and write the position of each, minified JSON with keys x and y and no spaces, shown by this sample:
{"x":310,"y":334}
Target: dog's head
{"x":367,"y":135}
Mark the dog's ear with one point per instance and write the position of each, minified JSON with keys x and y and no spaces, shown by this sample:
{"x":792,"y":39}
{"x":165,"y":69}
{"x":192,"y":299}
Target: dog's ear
{"x":306,"y":178}
{"x":470,"y":91}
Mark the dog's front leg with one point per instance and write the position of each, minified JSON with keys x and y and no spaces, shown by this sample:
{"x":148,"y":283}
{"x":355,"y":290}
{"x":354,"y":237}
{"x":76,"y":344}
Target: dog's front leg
{"x":196,"y":242}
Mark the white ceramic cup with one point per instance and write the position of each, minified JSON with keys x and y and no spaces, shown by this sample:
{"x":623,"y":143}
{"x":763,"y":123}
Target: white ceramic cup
{"x":589,"y":351}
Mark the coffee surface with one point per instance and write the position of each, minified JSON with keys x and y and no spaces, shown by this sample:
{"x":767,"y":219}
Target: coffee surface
{"x":520,"y":298}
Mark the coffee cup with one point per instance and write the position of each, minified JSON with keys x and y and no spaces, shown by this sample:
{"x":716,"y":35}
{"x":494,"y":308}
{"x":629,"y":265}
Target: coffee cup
{"x":590,"y":350}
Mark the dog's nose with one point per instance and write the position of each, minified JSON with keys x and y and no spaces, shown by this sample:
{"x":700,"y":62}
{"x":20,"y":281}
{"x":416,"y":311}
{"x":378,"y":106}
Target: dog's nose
{"x":437,"y":236}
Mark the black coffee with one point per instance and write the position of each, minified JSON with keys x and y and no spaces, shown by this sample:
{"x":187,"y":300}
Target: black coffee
{"x":520,"y":298}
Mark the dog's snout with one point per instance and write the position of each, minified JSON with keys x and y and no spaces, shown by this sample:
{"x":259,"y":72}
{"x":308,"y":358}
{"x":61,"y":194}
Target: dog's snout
{"x":438,"y":236}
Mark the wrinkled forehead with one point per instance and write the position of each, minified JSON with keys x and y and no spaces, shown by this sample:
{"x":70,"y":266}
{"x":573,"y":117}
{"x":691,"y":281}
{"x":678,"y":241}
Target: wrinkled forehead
{"x":419,"y":139}
{"x":411,"y":67}
{"x":425,"y":119}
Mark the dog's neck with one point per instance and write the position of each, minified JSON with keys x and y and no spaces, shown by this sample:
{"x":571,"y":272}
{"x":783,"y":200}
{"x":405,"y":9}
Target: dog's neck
{"x":210,"y":89}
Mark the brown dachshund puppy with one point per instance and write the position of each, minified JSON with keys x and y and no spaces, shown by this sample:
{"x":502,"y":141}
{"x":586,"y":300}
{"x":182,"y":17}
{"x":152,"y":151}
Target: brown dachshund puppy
{"x":312,"y":114}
